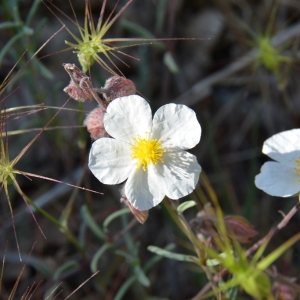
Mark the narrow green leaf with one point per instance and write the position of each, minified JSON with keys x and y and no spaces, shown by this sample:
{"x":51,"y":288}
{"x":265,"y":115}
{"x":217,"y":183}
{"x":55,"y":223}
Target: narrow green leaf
{"x":269,"y":259}
{"x":67,"y":266}
{"x":124,"y":254}
{"x":97,"y":256}
{"x":9,"y":44}
{"x":124,"y":288}
{"x":113,"y":216}
{"x":226,"y":286}
{"x":13,"y":9}
{"x":27,"y":30}
{"x":9,"y":24}
{"x":141,"y":276}
{"x":91,"y":223}
{"x":43,"y":70}
{"x":160,"y":14}
{"x":67,"y":212}
{"x":131,"y":280}
{"x":170,"y":63}
{"x":232,"y":293}
{"x":185,"y":205}
{"x":32,"y":11}
{"x":155,"y":259}
{"x":171,"y":255}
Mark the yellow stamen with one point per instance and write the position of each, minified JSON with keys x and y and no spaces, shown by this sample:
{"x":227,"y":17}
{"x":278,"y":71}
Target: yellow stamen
{"x":147,"y":152}
{"x":297,"y":169}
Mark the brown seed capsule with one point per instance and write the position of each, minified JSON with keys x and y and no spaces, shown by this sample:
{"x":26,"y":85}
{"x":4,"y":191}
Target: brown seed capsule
{"x":75,"y":92}
{"x":79,"y":85}
{"x":117,"y":86}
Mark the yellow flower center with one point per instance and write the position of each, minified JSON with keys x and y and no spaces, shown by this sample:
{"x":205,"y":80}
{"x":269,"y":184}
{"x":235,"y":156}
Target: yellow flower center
{"x":147,"y":152}
{"x":297,"y":169}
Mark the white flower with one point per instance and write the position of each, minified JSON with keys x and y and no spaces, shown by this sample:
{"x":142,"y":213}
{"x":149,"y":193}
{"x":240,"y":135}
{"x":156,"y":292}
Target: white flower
{"x":281,"y":177}
{"x":148,"y":153}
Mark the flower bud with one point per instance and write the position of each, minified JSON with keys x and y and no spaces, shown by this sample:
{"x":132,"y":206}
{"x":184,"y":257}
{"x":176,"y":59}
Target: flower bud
{"x":117,"y":86}
{"x":237,"y":227}
{"x":86,"y":60}
{"x":95,"y":125}
{"x":141,"y":216}
{"x":240,"y":229}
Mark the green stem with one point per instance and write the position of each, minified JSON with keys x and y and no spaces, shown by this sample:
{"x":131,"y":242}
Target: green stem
{"x":187,"y":231}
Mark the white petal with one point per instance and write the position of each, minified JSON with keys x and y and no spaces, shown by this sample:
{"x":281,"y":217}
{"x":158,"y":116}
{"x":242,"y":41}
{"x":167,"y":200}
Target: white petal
{"x":143,"y":189}
{"x":277,"y":179}
{"x":283,"y":147}
{"x":110,"y":160}
{"x":180,"y":173}
{"x":176,"y":126}
{"x":127,"y":117}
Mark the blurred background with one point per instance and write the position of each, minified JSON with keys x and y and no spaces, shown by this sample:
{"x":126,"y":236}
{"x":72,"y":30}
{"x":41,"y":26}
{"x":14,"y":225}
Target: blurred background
{"x":239,"y":71}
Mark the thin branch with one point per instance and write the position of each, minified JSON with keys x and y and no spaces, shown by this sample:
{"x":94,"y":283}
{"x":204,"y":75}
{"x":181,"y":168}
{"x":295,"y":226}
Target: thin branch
{"x":202,"y":89}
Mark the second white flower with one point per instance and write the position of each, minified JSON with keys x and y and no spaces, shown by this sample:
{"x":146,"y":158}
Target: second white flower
{"x":281,"y":177}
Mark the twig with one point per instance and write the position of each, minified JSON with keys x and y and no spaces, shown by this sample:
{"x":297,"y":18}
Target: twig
{"x":273,"y":231}
{"x":202,"y":89}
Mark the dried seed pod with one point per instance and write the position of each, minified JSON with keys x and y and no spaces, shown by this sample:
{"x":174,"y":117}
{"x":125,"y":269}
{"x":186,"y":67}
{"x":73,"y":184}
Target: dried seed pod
{"x":116,"y":87}
{"x":79,"y":85}
{"x":75,"y":92}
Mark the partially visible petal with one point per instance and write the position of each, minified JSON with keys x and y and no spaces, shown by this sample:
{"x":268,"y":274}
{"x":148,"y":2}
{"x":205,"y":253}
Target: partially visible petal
{"x":110,"y":160}
{"x":127,"y":117}
{"x":277,"y":179}
{"x":179,"y":173}
{"x":176,"y":126}
{"x":144,"y":189}
{"x":283,"y":147}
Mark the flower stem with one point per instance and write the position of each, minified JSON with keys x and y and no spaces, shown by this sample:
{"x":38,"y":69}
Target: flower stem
{"x":187,"y":231}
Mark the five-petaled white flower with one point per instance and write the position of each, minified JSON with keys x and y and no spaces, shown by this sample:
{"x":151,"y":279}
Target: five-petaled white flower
{"x":281,"y":177}
{"x":148,"y":153}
